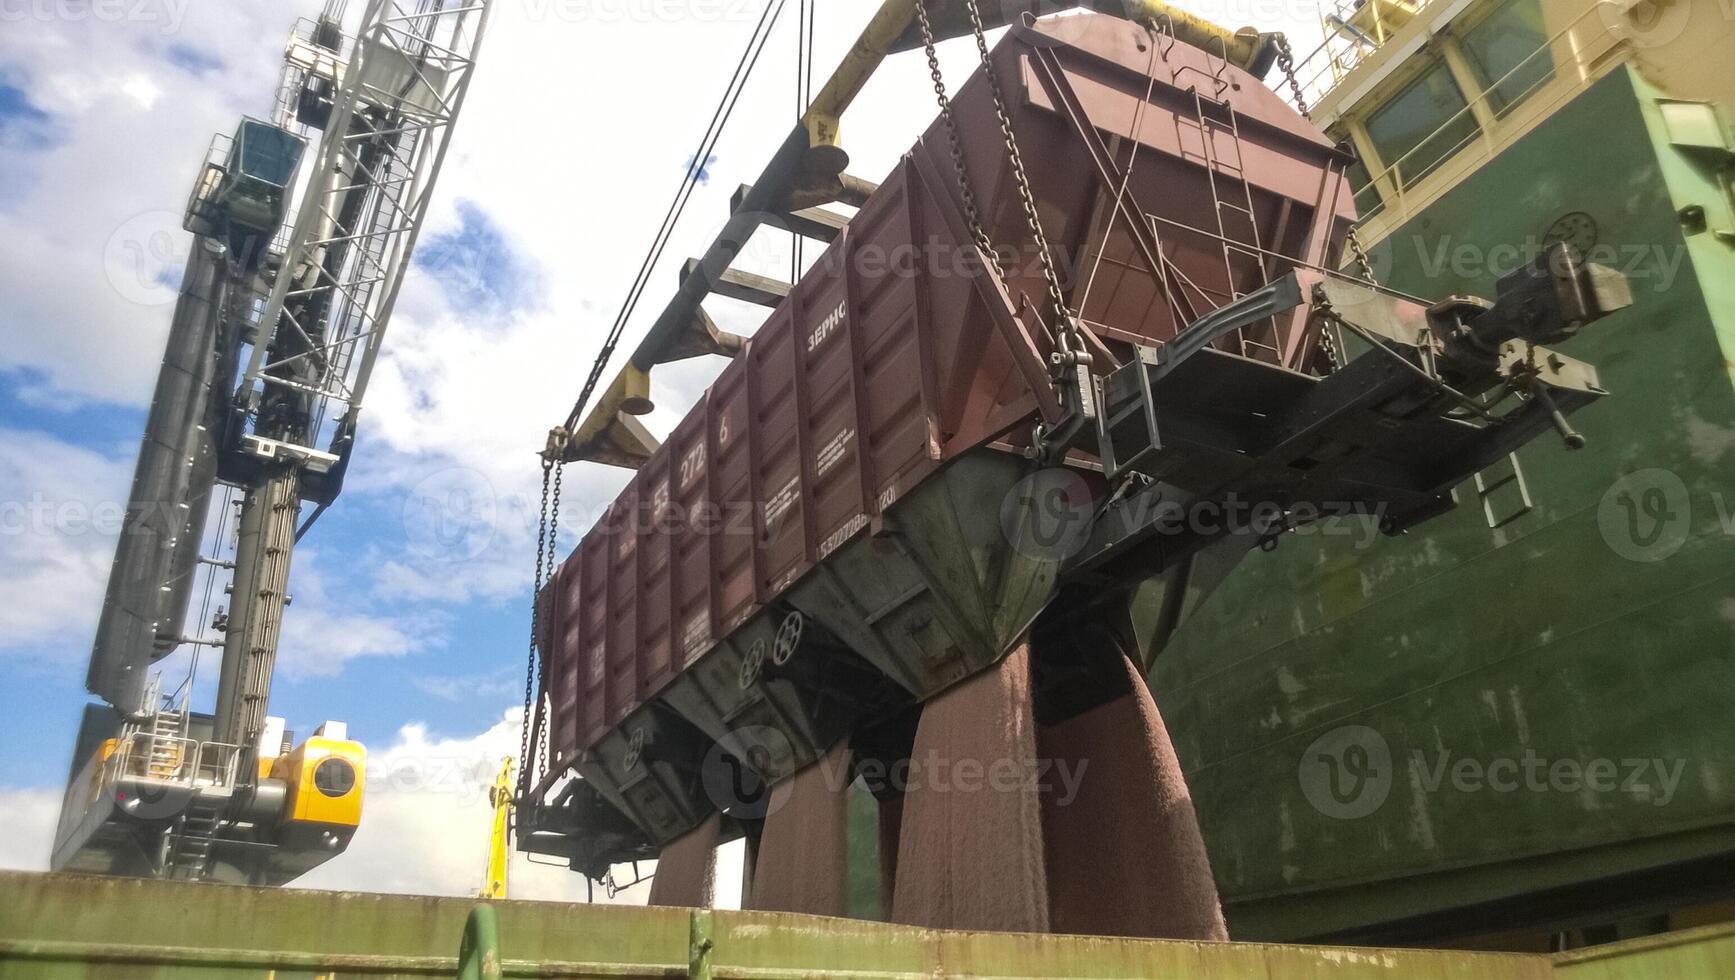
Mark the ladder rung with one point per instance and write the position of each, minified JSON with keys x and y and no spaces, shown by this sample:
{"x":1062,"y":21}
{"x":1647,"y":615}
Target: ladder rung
{"x":1489,"y":488}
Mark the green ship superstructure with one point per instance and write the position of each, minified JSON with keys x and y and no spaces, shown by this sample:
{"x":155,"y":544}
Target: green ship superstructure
{"x":1511,"y":726}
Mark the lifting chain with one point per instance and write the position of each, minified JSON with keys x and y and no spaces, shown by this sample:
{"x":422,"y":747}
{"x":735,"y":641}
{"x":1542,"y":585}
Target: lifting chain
{"x":1286,"y":63}
{"x":971,"y":213}
{"x":541,"y":733}
{"x":1067,"y":329}
{"x":548,"y":527}
{"x":1365,"y":267}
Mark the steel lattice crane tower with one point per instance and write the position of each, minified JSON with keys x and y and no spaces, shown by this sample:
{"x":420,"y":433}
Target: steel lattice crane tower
{"x":283,"y":308}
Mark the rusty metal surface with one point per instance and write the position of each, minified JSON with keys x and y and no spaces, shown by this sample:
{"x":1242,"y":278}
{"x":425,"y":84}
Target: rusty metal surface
{"x":973,"y":858}
{"x":1156,"y":881}
{"x":802,"y":862}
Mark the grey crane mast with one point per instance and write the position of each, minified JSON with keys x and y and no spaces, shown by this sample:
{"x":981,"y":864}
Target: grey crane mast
{"x":280,"y":319}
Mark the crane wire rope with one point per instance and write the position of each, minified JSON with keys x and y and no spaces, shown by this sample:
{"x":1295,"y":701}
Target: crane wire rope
{"x":695,"y":171}
{"x":548,"y":531}
{"x":803,"y":95}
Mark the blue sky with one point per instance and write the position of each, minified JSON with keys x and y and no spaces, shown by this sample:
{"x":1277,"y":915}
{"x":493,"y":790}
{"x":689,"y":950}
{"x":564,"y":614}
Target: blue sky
{"x":467,"y":664}
{"x":459,"y":662}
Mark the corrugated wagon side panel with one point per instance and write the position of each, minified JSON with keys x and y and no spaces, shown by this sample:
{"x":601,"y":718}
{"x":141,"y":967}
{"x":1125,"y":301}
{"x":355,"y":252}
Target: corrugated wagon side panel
{"x":592,"y":650}
{"x":655,"y":575}
{"x":564,"y":656}
{"x":777,"y":437}
{"x":981,"y":364}
{"x":733,"y":498}
{"x":623,"y":606}
{"x":897,"y":378}
{"x":692,"y":534}
{"x":828,"y":409}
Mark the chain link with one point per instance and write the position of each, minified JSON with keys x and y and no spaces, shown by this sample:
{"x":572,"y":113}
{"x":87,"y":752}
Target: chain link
{"x":955,"y":144}
{"x":1066,"y":327}
{"x":548,"y":527}
{"x":1328,"y":346}
{"x":1352,"y":238}
{"x":1286,"y":62}
{"x":1365,"y":267}
{"x":553,"y":551}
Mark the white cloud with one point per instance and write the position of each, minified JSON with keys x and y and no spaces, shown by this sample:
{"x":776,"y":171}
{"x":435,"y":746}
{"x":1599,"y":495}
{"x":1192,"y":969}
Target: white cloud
{"x":60,"y":513}
{"x":468,"y":688}
{"x":323,"y":630}
{"x":31,"y":815}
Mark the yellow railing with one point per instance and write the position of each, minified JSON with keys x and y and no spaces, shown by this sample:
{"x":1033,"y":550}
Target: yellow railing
{"x":1577,"y":55}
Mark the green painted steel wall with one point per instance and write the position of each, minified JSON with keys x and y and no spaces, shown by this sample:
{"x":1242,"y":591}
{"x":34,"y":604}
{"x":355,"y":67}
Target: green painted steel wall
{"x":1568,"y":634}
{"x":68,"y":927}
{"x":1697,"y":953}
{"x":62,"y":927}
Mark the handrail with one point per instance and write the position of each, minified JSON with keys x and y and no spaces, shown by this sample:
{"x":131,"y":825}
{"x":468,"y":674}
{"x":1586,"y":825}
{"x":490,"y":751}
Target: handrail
{"x":1344,"y":44}
{"x":1399,"y":198}
{"x":216,"y":761}
{"x":1578,"y":59}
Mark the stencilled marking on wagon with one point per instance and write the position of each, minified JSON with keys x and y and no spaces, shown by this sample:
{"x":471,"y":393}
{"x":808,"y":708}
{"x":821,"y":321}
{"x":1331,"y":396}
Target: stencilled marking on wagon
{"x":696,"y":634}
{"x":595,"y":663}
{"x":692,"y":465}
{"x":836,"y":539}
{"x":779,"y":504}
{"x":827,"y":327}
{"x":833,"y":451}
{"x":887,"y":497}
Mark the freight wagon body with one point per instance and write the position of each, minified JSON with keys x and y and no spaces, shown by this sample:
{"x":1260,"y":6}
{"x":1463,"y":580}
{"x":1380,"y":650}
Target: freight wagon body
{"x":834,"y":529}
{"x":871,"y":502}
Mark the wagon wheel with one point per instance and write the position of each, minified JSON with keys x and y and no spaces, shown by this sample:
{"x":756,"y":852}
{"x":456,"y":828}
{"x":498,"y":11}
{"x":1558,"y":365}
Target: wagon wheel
{"x":752,"y":664}
{"x":788,"y":638}
{"x":635,"y":749}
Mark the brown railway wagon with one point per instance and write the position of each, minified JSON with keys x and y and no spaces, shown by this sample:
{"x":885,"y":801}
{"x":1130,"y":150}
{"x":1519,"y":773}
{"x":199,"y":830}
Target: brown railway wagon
{"x":730,"y":597}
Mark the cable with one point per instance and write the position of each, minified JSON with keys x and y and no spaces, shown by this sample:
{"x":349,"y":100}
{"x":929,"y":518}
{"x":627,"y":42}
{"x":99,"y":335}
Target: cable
{"x":719,"y":119}
{"x":803,"y":95}
{"x":713,"y":131}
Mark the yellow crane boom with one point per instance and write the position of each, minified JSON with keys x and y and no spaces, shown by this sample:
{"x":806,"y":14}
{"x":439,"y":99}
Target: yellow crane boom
{"x":499,"y":840}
